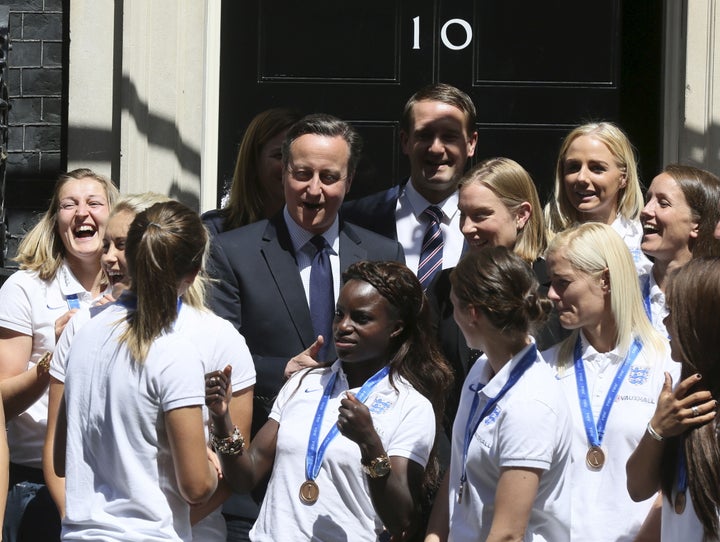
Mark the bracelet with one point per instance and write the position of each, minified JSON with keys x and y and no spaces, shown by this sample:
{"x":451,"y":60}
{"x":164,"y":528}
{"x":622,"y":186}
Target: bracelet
{"x":654,"y":434}
{"x":232,"y":445}
{"x":43,"y":363}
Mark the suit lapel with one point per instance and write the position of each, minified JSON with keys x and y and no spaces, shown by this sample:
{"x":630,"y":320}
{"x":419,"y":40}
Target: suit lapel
{"x":351,"y":249}
{"x":279,"y":255}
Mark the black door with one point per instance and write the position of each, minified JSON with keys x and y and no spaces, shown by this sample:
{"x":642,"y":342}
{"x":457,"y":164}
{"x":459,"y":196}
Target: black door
{"x":534,"y":70}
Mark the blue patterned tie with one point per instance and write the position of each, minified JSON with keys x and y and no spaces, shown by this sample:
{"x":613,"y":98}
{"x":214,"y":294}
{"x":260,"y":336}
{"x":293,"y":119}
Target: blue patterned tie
{"x":431,"y":253}
{"x":322,"y":300}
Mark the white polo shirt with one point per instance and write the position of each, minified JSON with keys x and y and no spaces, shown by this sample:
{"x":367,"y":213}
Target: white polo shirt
{"x":529,"y":427}
{"x":403,"y":419}
{"x":30,"y":305}
{"x":602,"y":509}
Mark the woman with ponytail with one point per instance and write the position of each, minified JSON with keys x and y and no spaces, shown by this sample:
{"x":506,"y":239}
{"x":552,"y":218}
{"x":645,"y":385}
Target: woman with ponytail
{"x":130,"y":437}
{"x":511,"y":437}
{"x":680,"y":450}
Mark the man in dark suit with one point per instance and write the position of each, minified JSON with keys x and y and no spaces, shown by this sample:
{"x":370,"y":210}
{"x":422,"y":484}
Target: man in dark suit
{"x":438,"y":135}
{"x":263,"y":270}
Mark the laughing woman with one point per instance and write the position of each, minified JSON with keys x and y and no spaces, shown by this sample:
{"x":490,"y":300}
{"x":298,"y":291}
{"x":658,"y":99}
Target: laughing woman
{"x":60,"y":273}
{"x":354,"y":475}
{"x":610,"y":368}
{"x":678,"y":220}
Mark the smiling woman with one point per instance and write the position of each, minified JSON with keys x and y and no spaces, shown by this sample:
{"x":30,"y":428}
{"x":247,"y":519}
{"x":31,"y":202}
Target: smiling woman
{"x":60,"y":273}
{"x":384,"y":385}
{"x":596,"y":180}
{"x":679,"y":218}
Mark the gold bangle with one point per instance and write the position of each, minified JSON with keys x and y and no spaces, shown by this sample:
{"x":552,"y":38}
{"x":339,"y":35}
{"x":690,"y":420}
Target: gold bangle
{"x":44,"y":362}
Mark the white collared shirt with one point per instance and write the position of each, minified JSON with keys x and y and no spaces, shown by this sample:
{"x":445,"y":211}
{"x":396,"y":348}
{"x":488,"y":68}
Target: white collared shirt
{"x":305,"y":252}
{"x":411,"y":224}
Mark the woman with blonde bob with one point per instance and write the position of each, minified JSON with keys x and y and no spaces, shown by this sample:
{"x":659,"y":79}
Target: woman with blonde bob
{"x":499,"y":206}
{"x":59,"y":273}
{"x":610,"y":368}
{"x":596,"y":180}
{"x":680,"y":451}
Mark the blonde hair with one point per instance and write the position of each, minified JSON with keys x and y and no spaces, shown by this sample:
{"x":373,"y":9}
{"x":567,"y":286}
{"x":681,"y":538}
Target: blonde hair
{"x":560,"y":213}
{"x":513,"y":186}
{"x":165,"y":244}
{"x":196,"y":294}
{"x":594,"y":248}
{"x":42,"y":249}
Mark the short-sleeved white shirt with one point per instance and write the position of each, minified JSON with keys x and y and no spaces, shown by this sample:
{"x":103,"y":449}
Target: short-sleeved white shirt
{"x":656,"y":298}
{"x":631,"y":232}
{"x":120,"y":475}
{"x":30,"y":305}
{"x":602,"y":510}
{"x":220,"y":344}
{"x":685,"y":527}
{"x":529,"y":427}
{"x":403,"y":419}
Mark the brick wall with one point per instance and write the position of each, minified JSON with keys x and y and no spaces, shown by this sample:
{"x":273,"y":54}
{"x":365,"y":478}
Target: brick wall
{"x":35,"y":87}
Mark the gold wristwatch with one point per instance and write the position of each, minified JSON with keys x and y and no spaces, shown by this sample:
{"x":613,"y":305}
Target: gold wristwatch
{"x":378,"y":467}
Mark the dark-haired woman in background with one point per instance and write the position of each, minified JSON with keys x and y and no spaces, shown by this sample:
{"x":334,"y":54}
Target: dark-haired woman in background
{"x":511,"y":438}
{"x":361,"y":473}
{"x":680,"y":450}
{"x":256,"y":191}
{"x":679,"y":218}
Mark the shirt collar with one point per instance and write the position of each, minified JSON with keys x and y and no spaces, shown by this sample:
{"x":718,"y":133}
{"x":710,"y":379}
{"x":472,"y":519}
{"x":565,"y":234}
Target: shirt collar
{"x":301,"y":237}
{"x":418,"y":204}
{"x":496,"y":383}
{"x":590,"y":355}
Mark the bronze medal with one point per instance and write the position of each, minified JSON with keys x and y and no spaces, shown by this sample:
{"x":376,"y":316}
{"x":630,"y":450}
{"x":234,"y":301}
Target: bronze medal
{"x":680,"y":503}
{"x":309,"y":492}
{"x":595,"y":458}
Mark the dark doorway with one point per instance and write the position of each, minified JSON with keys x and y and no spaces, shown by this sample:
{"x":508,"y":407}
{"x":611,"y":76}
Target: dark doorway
{"x":533,"y":69}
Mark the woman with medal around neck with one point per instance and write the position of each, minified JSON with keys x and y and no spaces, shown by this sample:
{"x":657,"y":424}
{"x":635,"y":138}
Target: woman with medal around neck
{"x":511,"y":437}
{"x":610,"y":368}
{"x":357,"y":475}
{"x":679,"y":451}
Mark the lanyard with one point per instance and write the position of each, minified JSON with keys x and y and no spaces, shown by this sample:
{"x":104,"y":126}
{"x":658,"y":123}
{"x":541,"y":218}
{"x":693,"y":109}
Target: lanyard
{"x":72,"y":301}
{"x":471,"y":425}
{"x":595,"y":433}
{"x":314,"y":456}
{"x":681,"y":474}
{"x":646,"y":296}
{"x":128,"y":300}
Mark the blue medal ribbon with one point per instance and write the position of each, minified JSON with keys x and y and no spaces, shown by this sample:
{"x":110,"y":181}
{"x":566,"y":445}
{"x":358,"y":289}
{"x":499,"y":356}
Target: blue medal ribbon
{"x":315,"y":455}
{"x":472,"y":424}
{"x":72,"y":301}
{"x":595,"y":433}
{"x":681,"y":475}
{"x":646,"y":296}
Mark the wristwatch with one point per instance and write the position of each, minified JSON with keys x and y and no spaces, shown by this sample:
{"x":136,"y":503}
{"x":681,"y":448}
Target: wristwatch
{"x":378,"y":467}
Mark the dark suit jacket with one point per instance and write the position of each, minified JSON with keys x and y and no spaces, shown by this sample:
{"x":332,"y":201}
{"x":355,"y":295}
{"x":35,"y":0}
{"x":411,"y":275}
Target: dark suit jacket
{"x":260,"y":292}
{"x":375,"y":212}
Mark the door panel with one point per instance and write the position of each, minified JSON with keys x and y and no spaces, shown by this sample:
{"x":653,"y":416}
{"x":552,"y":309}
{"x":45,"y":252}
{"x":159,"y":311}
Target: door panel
{"x":534,"y":70}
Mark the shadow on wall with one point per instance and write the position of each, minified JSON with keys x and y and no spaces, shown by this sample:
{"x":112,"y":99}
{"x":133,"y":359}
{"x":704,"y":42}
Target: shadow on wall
{"x":100,"y":145}
{"x":701,"y":149}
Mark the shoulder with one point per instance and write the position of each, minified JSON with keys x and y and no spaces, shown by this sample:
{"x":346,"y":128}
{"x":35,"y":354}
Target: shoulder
{"x":214,"y":220}
{"x":23,"y":279}
{"x":385,"y":247}
{"x":384,"y":196}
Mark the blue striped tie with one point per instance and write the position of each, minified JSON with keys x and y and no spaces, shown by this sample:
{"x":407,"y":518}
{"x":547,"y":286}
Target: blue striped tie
{"x":431,"y":253}
{"x":322,"y":300}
